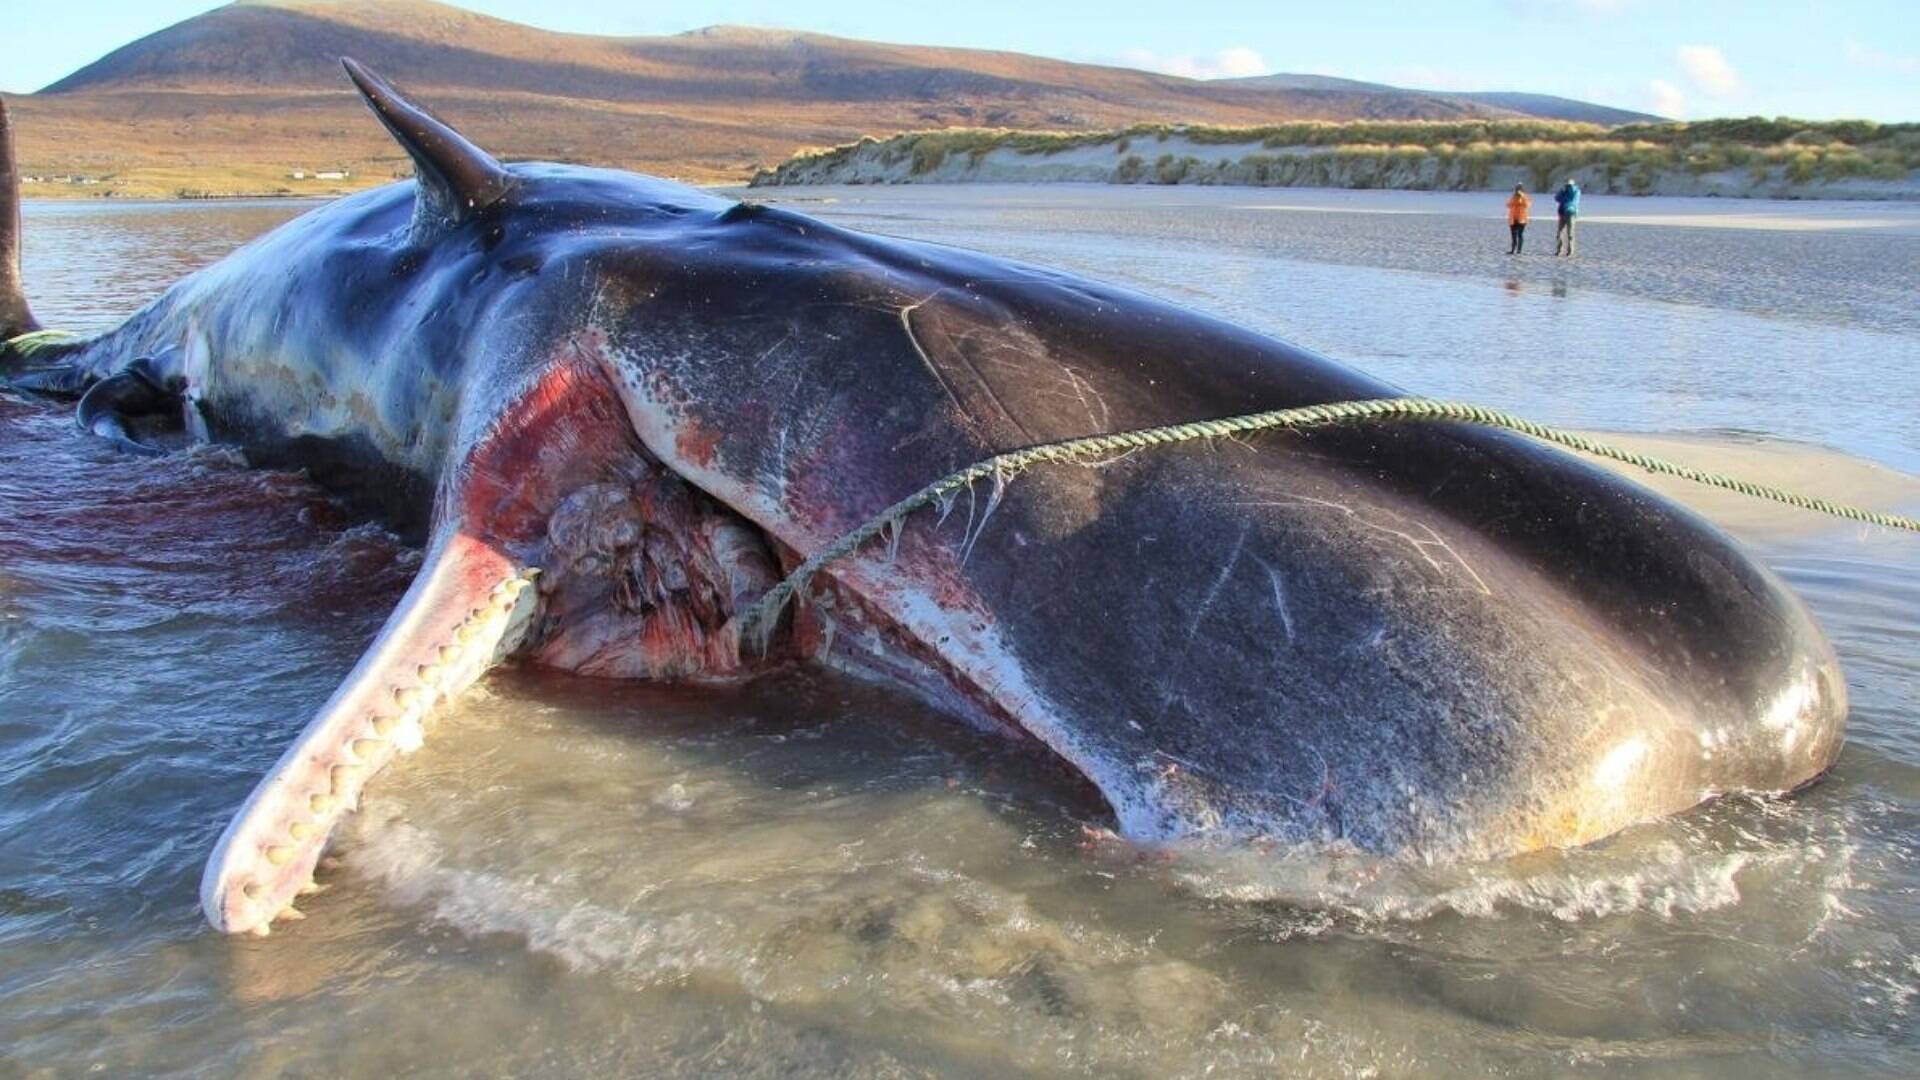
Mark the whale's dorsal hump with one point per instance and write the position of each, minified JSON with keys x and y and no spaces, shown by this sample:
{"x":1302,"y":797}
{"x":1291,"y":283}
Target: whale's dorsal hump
{"x":457,"y":179}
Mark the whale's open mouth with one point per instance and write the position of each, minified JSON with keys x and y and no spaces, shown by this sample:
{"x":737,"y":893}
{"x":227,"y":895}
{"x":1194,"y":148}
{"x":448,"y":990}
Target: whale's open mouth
{"x":626,"y":570}
{"x":647,"y":577}
{"x":644,"y":579}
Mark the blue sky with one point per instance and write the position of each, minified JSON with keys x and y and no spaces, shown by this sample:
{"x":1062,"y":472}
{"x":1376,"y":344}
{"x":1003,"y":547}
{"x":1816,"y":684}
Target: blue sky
{"x":1704,"y":58}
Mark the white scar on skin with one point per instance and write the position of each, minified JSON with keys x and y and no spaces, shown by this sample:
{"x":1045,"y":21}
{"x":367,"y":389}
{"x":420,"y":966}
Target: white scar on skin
{"x":1279,"y":597}
{"x":906,"y":324}
{"x":1421,"y":545}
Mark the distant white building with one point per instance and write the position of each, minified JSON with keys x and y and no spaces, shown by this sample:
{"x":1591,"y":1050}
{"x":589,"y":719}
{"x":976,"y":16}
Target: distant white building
{"x":332,"y":174}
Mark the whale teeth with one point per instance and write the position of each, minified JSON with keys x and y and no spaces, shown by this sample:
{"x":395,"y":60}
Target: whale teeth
{"x":429,"y":673}
{"x":407,"y":736}
{"x":252,"y":890}
{"x":467,"y":631}
{"x":366,"y":748}
{"x":279,"y":854}
{"x":261,"y":931}
{"x":406,"y":697}
{"x":303,"y":830}
{"x":312,"y":888}
{"x":342,"y":775}
{"x":291,"y":914}
{"x":384,"y":725}
{"x":322,"y":803}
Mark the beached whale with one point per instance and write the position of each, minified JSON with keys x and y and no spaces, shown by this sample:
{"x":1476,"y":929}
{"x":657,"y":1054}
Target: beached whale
{"x":1420,"y":640}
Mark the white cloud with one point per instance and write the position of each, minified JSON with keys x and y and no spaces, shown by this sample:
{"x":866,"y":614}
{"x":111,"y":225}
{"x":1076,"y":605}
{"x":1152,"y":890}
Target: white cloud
{"x":1603,"y":7}
{"x":1707,"y":68}
{"x":1226,"y":64}
{"x":1665,"y":99}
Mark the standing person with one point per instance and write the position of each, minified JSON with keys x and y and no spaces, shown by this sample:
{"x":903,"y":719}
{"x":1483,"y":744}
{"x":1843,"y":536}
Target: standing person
{"x":1568,"y":200}
{"x":1517,"y":206}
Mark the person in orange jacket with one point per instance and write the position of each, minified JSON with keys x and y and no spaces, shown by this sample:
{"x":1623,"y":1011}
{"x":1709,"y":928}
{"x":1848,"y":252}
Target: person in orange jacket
{"x":1517,"y":206}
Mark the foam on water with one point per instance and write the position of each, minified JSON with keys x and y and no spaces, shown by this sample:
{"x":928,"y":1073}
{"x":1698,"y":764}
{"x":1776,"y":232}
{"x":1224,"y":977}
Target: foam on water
{"x":417,"y":872}
{"x":1662,"y":870}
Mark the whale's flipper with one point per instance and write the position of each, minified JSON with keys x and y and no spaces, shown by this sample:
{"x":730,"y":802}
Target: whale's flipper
{"x":15,"y":317}
{"x":467,"y":608}
{"x":141,"y":391}
{"x":457,"y":179}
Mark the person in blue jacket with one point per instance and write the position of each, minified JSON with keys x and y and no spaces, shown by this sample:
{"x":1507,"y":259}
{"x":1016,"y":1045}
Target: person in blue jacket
{"x":1568,"y":200}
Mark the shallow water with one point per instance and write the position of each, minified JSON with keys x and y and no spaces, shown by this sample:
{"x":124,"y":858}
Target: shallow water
{"x":811,"y":877}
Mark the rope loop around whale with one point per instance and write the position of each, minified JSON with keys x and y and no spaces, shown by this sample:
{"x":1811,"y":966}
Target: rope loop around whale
{"x":756,"y":622}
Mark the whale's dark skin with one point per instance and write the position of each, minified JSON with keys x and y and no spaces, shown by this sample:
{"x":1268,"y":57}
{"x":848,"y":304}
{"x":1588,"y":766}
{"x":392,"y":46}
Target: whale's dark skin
{"x":1418,"y":640}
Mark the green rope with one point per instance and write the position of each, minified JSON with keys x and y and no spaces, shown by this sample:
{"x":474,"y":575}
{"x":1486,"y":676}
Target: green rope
{"x":758,"y":619}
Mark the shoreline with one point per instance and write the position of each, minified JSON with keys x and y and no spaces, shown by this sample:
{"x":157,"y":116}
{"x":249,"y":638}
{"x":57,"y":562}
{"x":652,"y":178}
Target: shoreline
{"x":111,"y":199}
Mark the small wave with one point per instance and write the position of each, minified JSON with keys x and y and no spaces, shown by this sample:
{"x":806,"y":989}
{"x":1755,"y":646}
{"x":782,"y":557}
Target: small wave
{"x":813,"y":928}
{"x":582,"y":935}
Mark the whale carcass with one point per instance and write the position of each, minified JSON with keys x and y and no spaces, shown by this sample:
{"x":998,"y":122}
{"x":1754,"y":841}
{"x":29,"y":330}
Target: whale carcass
{"x":615,"y":410}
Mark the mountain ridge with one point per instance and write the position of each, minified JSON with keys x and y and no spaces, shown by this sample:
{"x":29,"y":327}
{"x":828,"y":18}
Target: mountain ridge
{"x":254,"y":89}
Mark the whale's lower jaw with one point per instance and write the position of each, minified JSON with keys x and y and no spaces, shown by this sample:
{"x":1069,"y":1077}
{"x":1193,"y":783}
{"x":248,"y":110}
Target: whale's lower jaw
{"x":469,"y":605}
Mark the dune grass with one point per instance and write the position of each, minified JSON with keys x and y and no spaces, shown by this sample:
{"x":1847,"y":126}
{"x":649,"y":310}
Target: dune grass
{"x":1454,"y":154}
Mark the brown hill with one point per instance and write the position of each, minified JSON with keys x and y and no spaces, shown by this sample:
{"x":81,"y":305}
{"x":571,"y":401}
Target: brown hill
{"x":239,"y":98}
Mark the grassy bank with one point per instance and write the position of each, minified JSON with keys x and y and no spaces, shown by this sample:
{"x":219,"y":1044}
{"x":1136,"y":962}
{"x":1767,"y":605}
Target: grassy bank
{"x":207,"y":182}
{"x":1449,"y":155}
